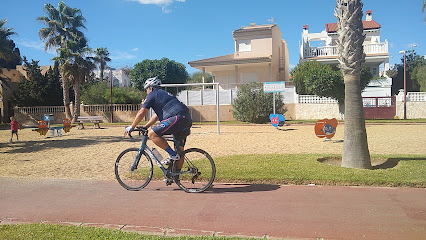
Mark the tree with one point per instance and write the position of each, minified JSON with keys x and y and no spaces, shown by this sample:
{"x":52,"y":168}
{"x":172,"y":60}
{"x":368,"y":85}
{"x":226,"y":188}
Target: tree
{"x":38,"y":89}
{"x":32,"y":88}
{"x":420,"y":76}
{"x":77,"y":67}
{"x":424,"y":8}
{"x":62,"y":24}
{"x":9,"y":55}
{"x":254,"y":105}
{"x":351,"y":56}
{"x":168,"y":71}
{"x":317,"y":78}
{"x":197,"y":77}
{"x":413,"y":61}
{"x":320,"y":79}
{"x":101,"y":58}
{"x":54,"y":89}
{"x":99,"y":93}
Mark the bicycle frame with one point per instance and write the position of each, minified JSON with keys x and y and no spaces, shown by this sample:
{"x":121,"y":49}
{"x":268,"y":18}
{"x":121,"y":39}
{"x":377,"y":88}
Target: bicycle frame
{"x":167,"y":172}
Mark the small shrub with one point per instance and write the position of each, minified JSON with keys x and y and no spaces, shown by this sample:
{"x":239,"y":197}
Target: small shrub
{"x":254,"y":106}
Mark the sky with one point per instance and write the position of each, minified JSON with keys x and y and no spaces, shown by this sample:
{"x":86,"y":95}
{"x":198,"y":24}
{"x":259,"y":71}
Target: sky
{"x":188,"y":30}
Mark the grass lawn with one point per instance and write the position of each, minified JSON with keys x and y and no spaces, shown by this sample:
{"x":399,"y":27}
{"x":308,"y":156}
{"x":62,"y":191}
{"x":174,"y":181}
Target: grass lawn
{"x":58,"y":232}
{"x":393,"y":171}
{"x":388,"y":170}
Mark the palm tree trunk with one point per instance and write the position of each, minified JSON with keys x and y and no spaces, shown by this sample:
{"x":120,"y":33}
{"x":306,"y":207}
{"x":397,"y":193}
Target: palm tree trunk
{"x":77,"y":93}
{"x":102,"y":68}
{"x":66,"y":95}
{"x":355,"y":147}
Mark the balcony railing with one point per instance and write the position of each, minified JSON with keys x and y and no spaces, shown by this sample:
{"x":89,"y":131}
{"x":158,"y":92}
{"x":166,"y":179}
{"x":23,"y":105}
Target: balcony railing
{"x":331,"y":51}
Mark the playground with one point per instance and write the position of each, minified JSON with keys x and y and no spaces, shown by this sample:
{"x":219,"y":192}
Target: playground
{"x":90,"y":153}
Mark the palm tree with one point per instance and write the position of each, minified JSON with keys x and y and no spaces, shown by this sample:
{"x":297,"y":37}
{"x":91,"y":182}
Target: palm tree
{"x":6,"y":52}
{"x":351,"y":56}
{"x":77,"y":67}
{"x":101,"y":58}
{"x":62,"y":24}
{"x":424,"y":8}
{"x":5,"y":33}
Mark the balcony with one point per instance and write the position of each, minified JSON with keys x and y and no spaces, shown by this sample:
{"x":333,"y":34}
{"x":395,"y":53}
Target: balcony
{"x":332,"y":52}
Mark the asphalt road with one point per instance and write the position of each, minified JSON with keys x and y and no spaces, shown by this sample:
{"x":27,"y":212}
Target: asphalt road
{"x":275,"y":211}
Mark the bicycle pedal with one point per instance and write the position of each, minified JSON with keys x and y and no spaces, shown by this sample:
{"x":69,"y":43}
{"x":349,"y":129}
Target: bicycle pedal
{"x":168,"y":181}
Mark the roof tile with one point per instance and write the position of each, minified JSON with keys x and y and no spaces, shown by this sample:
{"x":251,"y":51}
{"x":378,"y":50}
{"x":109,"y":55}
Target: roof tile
{"x":332,"y":27}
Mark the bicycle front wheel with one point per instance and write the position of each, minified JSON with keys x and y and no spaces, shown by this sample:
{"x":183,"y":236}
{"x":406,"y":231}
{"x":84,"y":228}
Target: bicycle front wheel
{"x":133,"y":174}
{"x":198,"y":171}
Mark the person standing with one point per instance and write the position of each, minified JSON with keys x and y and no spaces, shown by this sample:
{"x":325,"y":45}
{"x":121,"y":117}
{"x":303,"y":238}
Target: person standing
{"x":14,"y":126}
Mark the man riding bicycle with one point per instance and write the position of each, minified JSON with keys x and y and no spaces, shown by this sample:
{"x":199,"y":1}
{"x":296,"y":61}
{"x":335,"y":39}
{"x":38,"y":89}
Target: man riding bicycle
{"x":173,"y":115}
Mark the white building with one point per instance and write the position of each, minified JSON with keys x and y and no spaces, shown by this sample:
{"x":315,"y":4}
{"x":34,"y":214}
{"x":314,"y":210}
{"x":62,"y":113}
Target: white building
{"x":120,"y":77}
{"x":322,"y":47}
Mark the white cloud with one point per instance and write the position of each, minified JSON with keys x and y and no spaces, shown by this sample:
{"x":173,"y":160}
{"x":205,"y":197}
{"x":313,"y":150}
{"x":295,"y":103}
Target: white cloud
{"x":37,"y":45}
{"x":135,"y":49}
{"x":164,"y":4}
{"x":119,"y":55}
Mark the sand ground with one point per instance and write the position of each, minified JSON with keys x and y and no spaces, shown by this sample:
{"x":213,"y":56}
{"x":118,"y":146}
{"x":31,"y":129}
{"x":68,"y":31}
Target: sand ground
{"x":90,"y":153}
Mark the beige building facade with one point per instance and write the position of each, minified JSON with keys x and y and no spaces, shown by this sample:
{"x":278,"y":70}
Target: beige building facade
{"x":261,"y":55}
{"x":10,"y":79}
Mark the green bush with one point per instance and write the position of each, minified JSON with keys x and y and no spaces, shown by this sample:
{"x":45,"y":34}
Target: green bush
{"x":254,"y":106}
{"x":100,"y":93}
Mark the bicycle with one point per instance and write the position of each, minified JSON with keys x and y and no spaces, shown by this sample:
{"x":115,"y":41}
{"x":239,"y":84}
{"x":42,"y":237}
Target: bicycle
{"x":134,"y":167}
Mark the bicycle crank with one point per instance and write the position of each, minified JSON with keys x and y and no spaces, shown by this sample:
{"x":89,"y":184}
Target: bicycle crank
{"x":195,"y":177}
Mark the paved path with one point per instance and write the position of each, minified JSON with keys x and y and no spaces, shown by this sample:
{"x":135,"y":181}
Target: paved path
{"x":275,"y":211}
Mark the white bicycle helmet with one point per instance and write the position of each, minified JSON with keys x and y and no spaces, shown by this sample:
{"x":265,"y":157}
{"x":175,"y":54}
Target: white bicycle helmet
{"x":152,"y":82}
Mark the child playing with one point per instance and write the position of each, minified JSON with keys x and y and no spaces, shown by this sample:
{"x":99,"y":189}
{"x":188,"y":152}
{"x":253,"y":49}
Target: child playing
{"x":14,"y":126}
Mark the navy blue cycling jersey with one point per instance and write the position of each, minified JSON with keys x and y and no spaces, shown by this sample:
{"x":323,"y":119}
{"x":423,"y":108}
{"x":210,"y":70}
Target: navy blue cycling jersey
{"x":164,"y":104}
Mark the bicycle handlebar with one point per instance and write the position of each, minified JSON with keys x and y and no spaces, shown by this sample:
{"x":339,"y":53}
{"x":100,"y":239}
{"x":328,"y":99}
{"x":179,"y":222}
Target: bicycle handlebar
{"x":142,"y":130}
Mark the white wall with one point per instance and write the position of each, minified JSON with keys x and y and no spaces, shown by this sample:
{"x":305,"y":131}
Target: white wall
{"x":118,"y":76}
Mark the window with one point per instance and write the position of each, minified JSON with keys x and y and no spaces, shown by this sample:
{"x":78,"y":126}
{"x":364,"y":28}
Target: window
{"x":116,"y":83}
{"x":244,"y":45}
{"x":248,"y":77}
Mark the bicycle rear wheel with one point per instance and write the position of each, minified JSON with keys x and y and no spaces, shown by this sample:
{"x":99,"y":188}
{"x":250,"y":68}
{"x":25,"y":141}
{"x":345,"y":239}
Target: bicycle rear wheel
{"x":137,"y":178}
{"x":198,"y":171}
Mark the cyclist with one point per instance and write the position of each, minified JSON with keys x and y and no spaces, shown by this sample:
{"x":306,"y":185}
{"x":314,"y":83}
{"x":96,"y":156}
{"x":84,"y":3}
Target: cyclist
{"x":173,"y":115}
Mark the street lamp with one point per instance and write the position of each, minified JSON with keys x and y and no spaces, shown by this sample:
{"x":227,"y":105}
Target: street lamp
{"x":112,"y":114}
{"x":412,"y":46}
{"x":405,"y":88}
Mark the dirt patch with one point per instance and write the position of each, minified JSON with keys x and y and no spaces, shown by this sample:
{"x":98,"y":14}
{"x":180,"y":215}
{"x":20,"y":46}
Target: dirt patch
{"x":377,"y":163}
{"x":91,"y":153}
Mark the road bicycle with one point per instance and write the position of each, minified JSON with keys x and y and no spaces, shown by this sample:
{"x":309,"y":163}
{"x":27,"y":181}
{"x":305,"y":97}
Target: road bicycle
{"x":134,"y":166}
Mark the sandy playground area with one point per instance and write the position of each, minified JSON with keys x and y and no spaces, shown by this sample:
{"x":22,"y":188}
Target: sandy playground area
{"x":90,"y":153}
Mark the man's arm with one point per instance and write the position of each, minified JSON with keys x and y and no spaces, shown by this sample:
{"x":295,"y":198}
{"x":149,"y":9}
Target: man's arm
{"x":139,"y":116}
{"x":152,"y":121}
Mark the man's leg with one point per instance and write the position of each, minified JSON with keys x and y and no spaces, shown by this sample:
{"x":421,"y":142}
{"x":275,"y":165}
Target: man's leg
{"x":181,"y":161}
{"x":158,"y":140}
